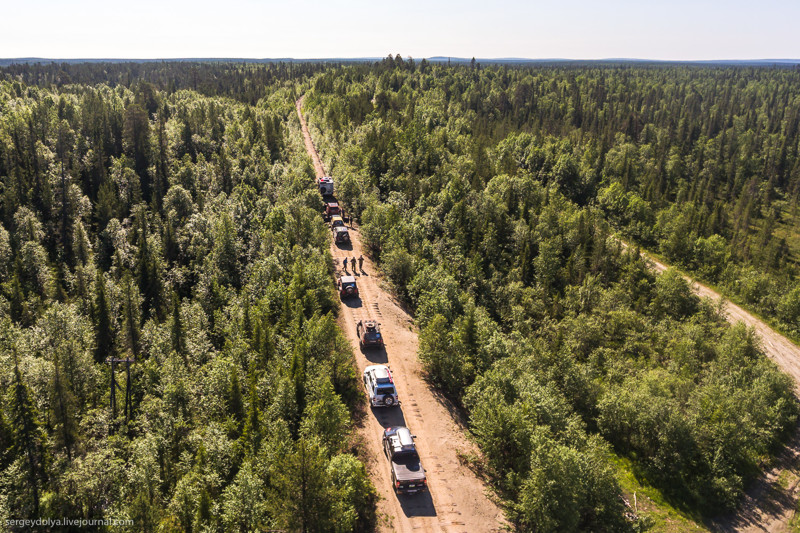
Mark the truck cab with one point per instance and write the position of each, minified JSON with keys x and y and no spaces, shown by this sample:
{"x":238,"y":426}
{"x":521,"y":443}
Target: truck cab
{"x":408,"y":476}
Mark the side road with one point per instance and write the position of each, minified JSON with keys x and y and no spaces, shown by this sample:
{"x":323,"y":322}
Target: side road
{"x":771,"y":503}
{"x":457,"y":500}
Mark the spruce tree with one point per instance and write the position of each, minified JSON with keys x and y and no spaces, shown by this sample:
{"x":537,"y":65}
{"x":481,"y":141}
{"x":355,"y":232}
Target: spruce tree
{"x":130,"y":316}
{"x":176,"y":332}
{"x":63,"y":407}
{"x":103,"y":333}
{"x":235,"y":403}
{"x":29,"y":440}
{"x":251,"y":434}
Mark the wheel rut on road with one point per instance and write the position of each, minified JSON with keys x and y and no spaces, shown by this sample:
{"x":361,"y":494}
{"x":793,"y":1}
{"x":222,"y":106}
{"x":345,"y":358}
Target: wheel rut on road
{"x":457,"y":500}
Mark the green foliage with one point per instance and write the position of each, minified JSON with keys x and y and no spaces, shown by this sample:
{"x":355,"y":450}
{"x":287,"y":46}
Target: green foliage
{"x":569,"y":490}
{"x":673,"y":297}
{"x":489,"y":198}
{"x":181,"y":230}
{"x":164,"y":210}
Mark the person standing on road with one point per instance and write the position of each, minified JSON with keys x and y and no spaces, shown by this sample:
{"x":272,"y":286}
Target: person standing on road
{"x":353,"y":262}
{"x":361,"y":263}
{"x":344,"y":263}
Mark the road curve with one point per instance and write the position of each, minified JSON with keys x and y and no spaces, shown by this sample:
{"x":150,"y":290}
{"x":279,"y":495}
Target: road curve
{"x":457,"y":500}
{"x":771,"y":502}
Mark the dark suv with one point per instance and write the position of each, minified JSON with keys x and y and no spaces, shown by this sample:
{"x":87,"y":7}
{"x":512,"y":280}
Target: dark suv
{"x":369,"y":334}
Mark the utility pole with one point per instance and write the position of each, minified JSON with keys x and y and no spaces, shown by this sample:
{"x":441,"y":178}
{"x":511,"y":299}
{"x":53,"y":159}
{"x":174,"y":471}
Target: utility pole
{"x":114,"y":361}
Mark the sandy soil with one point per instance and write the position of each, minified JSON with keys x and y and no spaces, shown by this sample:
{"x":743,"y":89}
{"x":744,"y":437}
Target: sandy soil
{"x":458,"y":501}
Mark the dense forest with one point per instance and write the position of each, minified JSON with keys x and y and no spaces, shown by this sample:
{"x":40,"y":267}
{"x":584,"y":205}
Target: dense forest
{"x":490,"y":196}
{"x":181,"y":231}
{"x":164,"y":212}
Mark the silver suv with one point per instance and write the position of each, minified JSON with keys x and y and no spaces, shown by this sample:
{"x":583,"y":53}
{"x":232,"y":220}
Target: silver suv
{"x":380,"y":386}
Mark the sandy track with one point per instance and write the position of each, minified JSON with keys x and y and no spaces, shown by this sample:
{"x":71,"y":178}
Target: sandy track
{"x":457,"y":500}
{"x":770,"y":503}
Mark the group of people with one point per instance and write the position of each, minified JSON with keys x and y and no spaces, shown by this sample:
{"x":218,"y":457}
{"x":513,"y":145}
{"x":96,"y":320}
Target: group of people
{"x":353,"y":263}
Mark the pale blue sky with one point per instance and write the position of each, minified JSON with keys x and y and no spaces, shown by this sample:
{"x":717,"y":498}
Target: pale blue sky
{"x":682,"y":29}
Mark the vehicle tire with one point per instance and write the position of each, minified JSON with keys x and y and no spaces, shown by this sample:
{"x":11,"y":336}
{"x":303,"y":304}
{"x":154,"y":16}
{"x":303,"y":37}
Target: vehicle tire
{"x":388,"y":401}
{"x":349,"y":291}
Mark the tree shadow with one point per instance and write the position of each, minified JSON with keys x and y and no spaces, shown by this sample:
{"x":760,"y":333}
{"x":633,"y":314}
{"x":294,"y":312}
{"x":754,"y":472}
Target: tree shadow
{"x":771,"y":497}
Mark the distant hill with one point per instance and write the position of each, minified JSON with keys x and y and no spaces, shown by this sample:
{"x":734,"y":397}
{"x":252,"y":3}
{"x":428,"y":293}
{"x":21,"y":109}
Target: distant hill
{"x":436,"y":59}
{"x":616,"y":60}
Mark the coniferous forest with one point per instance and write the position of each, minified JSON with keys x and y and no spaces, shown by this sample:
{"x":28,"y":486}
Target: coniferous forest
{"x":166,"y":213}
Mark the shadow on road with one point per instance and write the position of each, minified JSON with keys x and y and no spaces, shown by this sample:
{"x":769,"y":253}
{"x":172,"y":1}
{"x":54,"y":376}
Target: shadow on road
{"x":417,"y":504}
{"x":376,"y":356}
{"x":344,"y":245}
{"x":352,"y":302}
{"x":389,"y":417}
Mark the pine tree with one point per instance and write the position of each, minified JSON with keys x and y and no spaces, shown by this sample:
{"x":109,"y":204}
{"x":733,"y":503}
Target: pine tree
{"x":148,"y":278}
{"x":298,"y":373}
{"x":247,"y":325}
{"x":204,"y":508}
{"x":29,"y":438}
{"x":251,"y":435}
{"x":6,"y":439}
{"x":63,"y":407}
{"x":177,"y":336}
{"x":301,"y":500}
{"x":17,"y":299}
{"x":103,"y":332}
{"x":130,"y":316}
{"x":235,"y":403}
{"x":171,"y":249}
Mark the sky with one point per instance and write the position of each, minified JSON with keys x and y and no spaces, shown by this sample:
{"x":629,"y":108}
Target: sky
{"x":302,"y":29}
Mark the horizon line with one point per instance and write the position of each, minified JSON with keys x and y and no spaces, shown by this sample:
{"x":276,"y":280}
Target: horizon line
{"x":30,"y":59}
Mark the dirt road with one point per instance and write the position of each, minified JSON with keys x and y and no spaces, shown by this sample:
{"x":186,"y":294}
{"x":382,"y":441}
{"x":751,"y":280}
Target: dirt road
{"x":771,"y":502}
{"x":457,"y":500}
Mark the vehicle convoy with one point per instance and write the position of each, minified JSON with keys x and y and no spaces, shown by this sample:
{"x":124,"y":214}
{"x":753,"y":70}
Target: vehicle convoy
{"x":325,"y":185}
{"x":346,"y":285}
{"x":369,"y":334}
{"x":341,"y":235}
{"x":408,"y":476}
{"x":380,"y":386}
